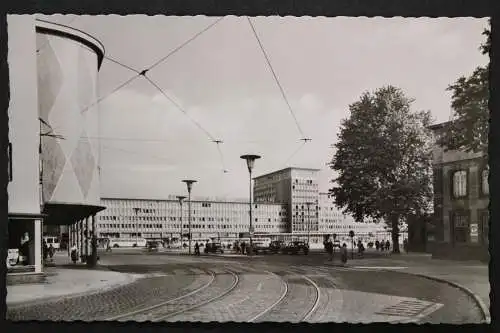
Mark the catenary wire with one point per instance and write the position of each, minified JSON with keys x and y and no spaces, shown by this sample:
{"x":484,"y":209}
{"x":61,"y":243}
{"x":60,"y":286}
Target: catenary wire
{"x":294,"y":153}
{"x":184,"y":44}
{"x":180,"y":108}
{"x":275,"y":76}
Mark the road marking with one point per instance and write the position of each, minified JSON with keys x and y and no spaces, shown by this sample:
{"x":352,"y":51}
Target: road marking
{"x":259,"y":287}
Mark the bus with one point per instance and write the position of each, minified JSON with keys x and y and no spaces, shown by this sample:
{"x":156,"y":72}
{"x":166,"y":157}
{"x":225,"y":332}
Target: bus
{"x":127,"y":242}
{"x":52,"y":240}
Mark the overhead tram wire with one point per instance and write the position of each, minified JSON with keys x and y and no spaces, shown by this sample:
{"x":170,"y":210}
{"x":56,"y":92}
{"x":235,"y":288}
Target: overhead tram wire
{"x":295,"y":152}
{"x":217,"y":142}
{"x":143,"y":72}
{"x":275,"y":77}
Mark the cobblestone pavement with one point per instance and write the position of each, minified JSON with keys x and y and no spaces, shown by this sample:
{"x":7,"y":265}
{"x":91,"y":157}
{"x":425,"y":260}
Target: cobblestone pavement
{"x":269,"y":288}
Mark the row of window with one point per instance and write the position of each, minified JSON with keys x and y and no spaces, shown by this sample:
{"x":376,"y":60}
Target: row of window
{"x":460,"y":184}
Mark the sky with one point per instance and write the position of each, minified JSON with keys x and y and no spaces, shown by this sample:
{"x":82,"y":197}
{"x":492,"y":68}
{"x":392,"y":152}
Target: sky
{"x":222,"y":81}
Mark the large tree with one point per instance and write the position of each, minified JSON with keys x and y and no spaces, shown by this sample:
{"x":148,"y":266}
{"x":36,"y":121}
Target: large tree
{"x":468,"y":130}
{"x":383,"y":159}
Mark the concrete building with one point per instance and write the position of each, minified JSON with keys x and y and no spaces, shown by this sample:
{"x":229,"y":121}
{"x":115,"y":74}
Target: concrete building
{"x":298,"y":189}
{"x":163,"y":219}
{"x":461,"y":198}
{"x":53,"y":126}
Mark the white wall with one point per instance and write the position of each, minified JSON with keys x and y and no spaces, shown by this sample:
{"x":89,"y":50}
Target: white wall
{"x":23,"y":115}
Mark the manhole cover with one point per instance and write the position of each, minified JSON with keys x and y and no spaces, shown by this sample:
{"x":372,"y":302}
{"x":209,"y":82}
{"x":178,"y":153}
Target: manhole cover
{"x":410,"y":308}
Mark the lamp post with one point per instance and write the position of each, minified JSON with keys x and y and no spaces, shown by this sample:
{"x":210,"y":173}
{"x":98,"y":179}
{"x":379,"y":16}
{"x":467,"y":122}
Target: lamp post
{"x":181,"y":198}
{"x":250,"y":163}
{"x":189,"y":183}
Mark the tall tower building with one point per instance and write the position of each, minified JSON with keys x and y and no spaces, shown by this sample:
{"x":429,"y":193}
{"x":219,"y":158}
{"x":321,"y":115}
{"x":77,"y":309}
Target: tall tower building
{"x":298,"y":189}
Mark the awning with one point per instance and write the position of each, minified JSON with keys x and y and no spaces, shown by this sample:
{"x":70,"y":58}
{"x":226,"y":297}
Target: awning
{"x":67,"y":213}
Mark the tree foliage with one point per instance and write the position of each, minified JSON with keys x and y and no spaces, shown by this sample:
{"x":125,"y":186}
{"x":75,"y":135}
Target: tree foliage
{"x":468,"y":130}
{"x":383,"y":158}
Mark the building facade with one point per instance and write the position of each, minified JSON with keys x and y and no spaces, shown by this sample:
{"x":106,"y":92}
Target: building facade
{"x":53,"y":135}
{"x":461,"y":198}
{"x":168,"y":219}
{"x":298,"y":189}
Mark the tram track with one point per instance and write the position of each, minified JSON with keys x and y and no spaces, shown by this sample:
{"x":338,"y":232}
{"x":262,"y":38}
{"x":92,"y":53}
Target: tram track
{"x":218,"y":286}
{"x":292,"y":300}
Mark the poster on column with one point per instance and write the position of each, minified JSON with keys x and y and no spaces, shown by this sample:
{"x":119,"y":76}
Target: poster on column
{"x":474,"y":233}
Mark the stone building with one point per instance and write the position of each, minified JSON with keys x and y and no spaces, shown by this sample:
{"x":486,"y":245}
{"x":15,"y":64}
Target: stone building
{"x":461,"y":198}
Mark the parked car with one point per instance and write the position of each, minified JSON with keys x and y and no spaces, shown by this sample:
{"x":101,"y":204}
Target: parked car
{"x":152,"y":246}
{"x":214,"y":248}
{"x":276,"y":246}
{"x":295,"y":247}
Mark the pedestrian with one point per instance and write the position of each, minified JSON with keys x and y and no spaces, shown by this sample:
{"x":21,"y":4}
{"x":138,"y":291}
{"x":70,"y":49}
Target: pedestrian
{"x":387,"y":245}
{"x":51,"y":251}
{"x":343,"y":253}
{"x":405,"y":245}
{"x":377,"y":245}
{"x":196,"y":249}
{"x":382,"y":246}
{"x":329,"y":249}
{"x":74,"y":253}
{"x":243,"y":247}
{"x":45,"y":251}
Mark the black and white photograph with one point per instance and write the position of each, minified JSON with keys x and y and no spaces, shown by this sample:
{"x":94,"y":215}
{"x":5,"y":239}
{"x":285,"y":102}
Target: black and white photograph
{"x":248,"y":169}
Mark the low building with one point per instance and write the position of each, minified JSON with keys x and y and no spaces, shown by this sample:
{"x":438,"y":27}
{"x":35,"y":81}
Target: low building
{"x":168,"y":219}
{"x":461,"y":198}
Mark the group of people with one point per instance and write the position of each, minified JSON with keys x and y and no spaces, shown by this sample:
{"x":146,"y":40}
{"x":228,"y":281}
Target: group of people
{"x":48,"y":251}
{"x":330,"y":247}
{"x":382,"y":246}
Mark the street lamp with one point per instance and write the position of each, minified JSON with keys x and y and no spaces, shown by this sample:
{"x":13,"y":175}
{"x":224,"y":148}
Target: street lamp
{"x":250,"y":163}
{"x":189,"y":183}
{"x":181,"y":198}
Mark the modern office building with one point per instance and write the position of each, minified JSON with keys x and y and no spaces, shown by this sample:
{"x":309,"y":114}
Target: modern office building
{"x":298,"y":189}
{"x":168,"y":220}
{"x":52,"y":130}
{"x":461,"y":198}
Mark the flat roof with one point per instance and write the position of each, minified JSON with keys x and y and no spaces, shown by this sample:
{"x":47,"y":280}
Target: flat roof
{"x":79,"y":36}
{"x":285,"y":169}
{"x":202,"y":201}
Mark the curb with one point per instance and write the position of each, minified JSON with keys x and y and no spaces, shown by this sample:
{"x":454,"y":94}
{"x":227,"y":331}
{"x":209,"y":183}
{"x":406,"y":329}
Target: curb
{"x":470,"y":293}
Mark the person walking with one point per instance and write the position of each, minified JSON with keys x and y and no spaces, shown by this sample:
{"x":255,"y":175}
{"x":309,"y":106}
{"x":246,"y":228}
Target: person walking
{"x":329,"y":249}
{"x":387,"y":245}
{"x":343,"y":254}
{"x":377,"y":245}
{"x":74,"y":253}
{"x":196,"y":249}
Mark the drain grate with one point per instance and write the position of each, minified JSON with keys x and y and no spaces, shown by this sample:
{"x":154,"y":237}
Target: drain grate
{"x":412,"y":308}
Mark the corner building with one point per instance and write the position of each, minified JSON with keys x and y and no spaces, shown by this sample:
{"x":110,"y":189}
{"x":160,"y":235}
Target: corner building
{"x":297,"y":189}
{"x":53,"y":126}
{"x":461,"y":198}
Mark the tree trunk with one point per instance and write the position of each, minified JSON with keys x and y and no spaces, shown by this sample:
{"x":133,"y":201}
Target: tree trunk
{"x":395,"y":233}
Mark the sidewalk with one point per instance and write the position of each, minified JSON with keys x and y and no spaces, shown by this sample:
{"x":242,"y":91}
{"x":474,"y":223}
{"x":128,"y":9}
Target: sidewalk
{"x":67,"y":282}
{"x":470,"y":276}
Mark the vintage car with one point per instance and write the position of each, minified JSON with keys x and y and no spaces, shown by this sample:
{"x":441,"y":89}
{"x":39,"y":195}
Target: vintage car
{"x":214,"y":247}
{"x":296,"y":247}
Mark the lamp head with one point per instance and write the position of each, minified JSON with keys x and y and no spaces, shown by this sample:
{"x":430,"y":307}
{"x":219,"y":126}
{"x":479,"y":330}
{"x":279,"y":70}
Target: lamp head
{"x":181,"y":197}
{"x":250,"y":160}
{"x":189,"y":183}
